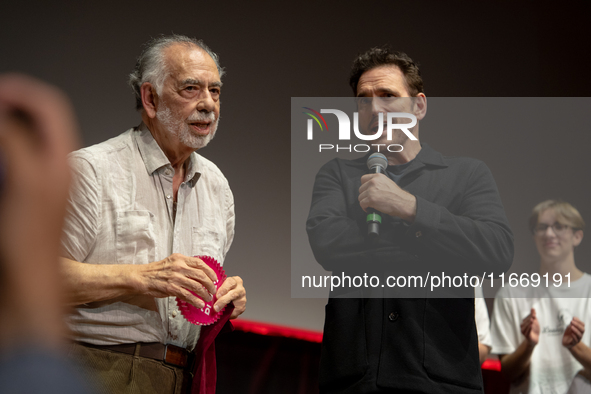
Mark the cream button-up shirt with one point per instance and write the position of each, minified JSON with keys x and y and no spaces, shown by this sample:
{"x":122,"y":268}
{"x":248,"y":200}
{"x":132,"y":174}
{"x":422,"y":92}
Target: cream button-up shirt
{"x":121,"y":212}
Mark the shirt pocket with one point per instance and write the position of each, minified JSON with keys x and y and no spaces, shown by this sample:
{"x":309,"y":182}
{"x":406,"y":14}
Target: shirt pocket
{"x":207,"y":241}
{"x":135,"y":238}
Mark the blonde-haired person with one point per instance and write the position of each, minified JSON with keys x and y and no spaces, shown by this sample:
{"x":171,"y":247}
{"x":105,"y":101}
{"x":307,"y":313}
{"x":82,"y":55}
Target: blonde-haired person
{"x":539,"y":332}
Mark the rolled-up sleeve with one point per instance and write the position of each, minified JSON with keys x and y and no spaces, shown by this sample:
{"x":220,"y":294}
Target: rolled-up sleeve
{"x":83,"y":213}
{"x":230,"y":219}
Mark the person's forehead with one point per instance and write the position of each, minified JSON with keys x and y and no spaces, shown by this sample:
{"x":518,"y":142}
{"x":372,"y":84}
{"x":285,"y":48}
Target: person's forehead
{"x":382,"y":77}
{"x":550,"y":215}
{"x":184,"y":61}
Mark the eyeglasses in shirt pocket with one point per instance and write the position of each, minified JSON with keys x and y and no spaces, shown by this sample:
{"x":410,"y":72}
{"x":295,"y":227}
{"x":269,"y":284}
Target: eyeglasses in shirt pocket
{"x":135,"y":237}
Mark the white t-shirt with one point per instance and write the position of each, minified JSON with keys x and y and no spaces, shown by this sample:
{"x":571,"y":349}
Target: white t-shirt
{"x":481,"y":317}
{"x":552,"y":366}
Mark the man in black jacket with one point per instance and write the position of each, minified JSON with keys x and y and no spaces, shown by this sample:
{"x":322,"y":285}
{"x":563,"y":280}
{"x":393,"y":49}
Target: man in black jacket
{"x":441,"y":215}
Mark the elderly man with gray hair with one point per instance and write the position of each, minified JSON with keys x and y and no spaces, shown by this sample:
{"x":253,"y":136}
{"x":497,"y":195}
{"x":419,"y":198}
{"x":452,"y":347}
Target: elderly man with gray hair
{"x":141,"y":204}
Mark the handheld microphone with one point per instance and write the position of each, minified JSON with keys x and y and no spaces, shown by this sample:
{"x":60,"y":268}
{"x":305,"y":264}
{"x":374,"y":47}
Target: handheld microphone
{"x":377,"y":163}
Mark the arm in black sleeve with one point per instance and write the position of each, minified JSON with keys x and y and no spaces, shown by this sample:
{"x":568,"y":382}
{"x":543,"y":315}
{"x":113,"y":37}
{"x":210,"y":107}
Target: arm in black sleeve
{"x":334,"y":235}
{"x":474,"y":234}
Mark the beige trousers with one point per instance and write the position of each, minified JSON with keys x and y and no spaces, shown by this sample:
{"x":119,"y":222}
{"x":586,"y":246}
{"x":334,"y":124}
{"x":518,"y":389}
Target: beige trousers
{"x":119,"y":373}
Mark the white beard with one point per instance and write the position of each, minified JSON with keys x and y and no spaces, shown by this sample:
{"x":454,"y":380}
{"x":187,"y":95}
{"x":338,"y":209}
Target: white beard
{"x":180,"y":128}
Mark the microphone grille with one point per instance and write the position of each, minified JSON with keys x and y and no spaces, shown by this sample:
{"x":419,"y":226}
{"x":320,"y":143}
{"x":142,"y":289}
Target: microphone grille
{"x":377,"y":159}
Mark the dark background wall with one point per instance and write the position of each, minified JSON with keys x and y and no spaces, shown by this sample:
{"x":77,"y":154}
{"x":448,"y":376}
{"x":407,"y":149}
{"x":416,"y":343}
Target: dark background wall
{"x":276,"y":50}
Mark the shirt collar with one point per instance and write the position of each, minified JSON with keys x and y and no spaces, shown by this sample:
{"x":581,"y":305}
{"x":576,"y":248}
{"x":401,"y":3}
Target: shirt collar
{"x":429,"y":156}
{"x":154,"y":158}
{"x":193,"y":173}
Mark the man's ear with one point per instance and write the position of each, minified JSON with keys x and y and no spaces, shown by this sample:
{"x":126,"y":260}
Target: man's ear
{"x":149,"y":99}
{"x":420,"y":106}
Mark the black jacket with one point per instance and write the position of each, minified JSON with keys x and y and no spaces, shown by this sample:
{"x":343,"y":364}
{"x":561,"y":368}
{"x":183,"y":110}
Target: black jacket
{"x":423,"y":344}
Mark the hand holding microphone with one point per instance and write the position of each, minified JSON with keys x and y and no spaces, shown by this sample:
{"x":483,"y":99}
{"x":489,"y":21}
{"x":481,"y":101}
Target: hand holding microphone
{"x":380,"y":195}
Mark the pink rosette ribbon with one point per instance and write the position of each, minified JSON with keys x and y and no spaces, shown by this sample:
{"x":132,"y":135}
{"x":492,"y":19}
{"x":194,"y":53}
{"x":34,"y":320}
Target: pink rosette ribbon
{"x":206,"y":315}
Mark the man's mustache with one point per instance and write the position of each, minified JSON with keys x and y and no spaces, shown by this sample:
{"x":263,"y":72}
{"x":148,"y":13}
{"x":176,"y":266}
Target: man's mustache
{"x":202,"y":116}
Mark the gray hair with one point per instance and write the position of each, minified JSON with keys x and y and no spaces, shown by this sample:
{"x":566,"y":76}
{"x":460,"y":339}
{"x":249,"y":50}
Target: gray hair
{"x":151,"y":65}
